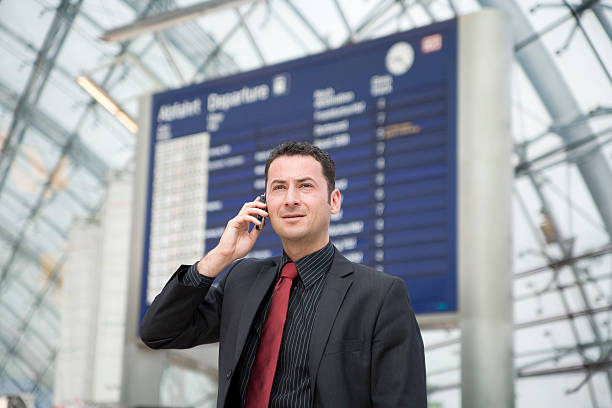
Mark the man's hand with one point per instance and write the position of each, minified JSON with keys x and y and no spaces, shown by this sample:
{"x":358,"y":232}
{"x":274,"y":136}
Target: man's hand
{"x":236,"y":240}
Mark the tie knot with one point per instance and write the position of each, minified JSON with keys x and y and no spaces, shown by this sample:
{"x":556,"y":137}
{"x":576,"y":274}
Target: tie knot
{"x":289,"y":271}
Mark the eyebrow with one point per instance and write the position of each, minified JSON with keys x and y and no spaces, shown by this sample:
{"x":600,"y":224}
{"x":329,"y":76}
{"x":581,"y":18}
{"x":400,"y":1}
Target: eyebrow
{"x":300,"y":180}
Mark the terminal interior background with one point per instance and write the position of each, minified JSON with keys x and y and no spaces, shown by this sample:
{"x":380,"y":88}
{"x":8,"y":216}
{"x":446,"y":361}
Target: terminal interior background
{"x":67,"y":161}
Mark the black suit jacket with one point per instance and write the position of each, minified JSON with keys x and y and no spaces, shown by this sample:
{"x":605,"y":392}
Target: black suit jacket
{"x":365,"y":347}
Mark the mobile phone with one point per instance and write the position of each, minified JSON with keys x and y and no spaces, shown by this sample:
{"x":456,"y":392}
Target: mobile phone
{"x":262,"y":198}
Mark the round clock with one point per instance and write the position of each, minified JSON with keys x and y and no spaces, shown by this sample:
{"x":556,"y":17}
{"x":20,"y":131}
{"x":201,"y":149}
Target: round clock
{"x":399,"y":58}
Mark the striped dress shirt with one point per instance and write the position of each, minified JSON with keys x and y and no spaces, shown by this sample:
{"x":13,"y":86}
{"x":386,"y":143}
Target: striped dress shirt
{"x":291,"y":387}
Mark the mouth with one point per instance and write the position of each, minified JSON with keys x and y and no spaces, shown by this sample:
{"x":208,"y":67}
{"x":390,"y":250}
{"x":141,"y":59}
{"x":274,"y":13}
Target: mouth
{"x":292,"y":216}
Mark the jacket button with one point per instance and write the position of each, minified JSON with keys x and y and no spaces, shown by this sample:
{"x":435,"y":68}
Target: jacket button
{"x":228,"y":374}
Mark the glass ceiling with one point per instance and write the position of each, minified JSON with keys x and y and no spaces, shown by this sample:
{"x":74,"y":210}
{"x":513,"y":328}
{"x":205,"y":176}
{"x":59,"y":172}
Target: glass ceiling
{"x":58,"y":145}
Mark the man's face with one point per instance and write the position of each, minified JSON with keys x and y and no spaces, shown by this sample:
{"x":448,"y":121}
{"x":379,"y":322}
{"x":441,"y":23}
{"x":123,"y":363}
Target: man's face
{"x":299,"y":205}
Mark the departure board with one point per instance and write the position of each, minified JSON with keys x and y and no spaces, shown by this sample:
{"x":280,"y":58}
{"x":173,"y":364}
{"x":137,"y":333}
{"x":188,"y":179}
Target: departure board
{"x":385,"y":111}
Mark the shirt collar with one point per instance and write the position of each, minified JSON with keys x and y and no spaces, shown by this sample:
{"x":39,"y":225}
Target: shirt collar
{"x":313,"y":266}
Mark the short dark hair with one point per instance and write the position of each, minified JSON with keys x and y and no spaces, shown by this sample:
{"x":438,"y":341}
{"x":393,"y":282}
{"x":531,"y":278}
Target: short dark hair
{"x":306,"y":149}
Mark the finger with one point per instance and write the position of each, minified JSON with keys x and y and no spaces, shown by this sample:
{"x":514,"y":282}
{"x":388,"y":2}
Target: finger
{"x":256,"y":231}
{"x":254,"y":210}
{"x":251,"y":219}
{"x":263,"y":224}
{"x":247,"y":208}
{"x":243,"y":209}
{"x":251,"y":204}
{"x":258,"y":202}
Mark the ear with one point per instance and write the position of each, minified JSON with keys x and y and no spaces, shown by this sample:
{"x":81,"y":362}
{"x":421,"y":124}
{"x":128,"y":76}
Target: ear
{"x":335,"y":201}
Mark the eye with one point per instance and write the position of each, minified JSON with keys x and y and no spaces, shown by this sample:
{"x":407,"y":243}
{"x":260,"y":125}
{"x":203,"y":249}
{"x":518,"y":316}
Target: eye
{"x":307,"y":185}
{"x":278,"y":187}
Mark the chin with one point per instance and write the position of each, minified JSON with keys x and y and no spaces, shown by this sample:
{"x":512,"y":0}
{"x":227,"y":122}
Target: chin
{"x":292,"y":235}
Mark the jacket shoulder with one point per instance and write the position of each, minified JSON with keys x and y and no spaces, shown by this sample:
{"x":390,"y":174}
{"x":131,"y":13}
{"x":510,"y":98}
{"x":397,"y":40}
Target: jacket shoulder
{"x":255,"y":263}
{"x":251,"y":266}
{"x":343,"y":267}
{"x":366,"y":277}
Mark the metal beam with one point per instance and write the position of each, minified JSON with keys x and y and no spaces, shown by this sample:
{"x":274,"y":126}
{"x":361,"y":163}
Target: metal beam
{"x":80,"y":154}
{"x":535,"y":36}
{"x":566,"y":316}
{"x":566,"y":250}
{"x":372,"y":16}
{"x":577,"y":14}
{"x":12,"y":311}
{"x":189,"y":38}
{"x":425,"y":5}
{"x":41,"y":374}
{"x":562,"y":107}
{"x":403,"y":12}
{"x":308,"y":24}
{"x":18,"y":241}
{"x":69,"y":75}
{"x":557,"y":353}
{"x":17,"y":197}
{"x":281,"y":20}
{"x":556,"y":264}
{"x":169,"y":19}
{"x":73,"y":137}
{"x":30,"y":47}
{"x":568,"y":152}
{"x":193,"y":42}
{"x":349,"y":30}
{"x":25,"y":250}
{"x":217,"y":50}
{"x":252,"y":40}
{"x":19,"y":281}
{"x":554,"y":287}
{"x":587,"y":366}
{"x":45,"y":61}
{"x":603,"y":20}
{"x":537,"y":322}
{"x":161,"y":39}
{"x":562,"y":349}
{"x":29,"y":314}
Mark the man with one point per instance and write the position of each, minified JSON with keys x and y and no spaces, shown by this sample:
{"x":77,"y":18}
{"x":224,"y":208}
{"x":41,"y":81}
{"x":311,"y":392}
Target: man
{"x":308,"y":328}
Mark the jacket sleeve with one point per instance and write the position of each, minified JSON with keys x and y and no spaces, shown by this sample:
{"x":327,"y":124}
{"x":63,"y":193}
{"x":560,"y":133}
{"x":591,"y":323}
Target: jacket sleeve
{"x":398,"y":360}
{"x":184,"y":316}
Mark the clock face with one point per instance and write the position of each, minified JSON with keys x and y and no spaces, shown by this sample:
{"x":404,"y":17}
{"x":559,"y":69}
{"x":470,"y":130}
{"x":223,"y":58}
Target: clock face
{"x":399,"y":58}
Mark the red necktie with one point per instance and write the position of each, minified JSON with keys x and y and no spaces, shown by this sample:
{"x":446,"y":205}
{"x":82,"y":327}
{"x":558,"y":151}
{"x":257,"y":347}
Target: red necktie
{"x":264,"y":367}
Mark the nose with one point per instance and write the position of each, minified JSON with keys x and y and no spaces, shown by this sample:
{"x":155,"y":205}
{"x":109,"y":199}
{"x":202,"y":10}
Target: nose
{"x":292,"y":197}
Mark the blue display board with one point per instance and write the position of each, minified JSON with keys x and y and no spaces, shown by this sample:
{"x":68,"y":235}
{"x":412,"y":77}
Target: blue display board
{"x":385,"y":110}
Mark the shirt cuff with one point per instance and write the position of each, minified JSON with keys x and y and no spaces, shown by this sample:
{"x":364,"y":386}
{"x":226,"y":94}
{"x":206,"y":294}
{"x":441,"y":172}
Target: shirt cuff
{"x":193,"y":278}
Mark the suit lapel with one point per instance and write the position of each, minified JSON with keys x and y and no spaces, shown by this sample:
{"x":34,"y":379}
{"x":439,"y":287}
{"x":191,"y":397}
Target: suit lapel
{"x":336,"y":286}
{"x":252,"y":300}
